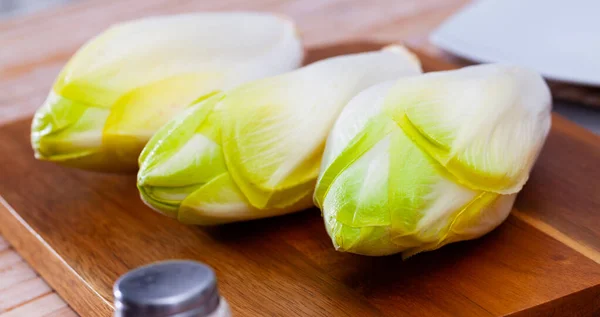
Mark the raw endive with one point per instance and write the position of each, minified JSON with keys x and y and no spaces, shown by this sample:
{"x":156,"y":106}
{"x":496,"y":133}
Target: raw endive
{"x":414,"y":164}
{"x":255,"y":151}
{"x":120,"y":87}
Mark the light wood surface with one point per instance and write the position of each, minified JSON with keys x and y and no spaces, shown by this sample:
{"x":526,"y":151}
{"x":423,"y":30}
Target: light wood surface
{"x":23,"y":292}
{"x":555,"y":237}
{"x":85,"y":229}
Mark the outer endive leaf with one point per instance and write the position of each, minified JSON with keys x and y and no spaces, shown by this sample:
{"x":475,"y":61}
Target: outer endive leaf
{"x":485,"y":124}
{"x":145,"y":71}
{"x":349,"y":134}
{"x":424,"y":198}
{"x":274,"y":134}
{"x":71,"y":133}
{"x":220,"y":201}
{"x":480,"y":216}
{"x":410,"y":201}
{"x":359,"y":195}
{"x":181,"y":157}
{"x":392,"y":185}
{"x":239,"y":45}
{"x":139,"y":113}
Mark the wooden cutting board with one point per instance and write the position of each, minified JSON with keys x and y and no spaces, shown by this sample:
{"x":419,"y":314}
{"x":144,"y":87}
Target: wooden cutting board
{"x":82,"y":230}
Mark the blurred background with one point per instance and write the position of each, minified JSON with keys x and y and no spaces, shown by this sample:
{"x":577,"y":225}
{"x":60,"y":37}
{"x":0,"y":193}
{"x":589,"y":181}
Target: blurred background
{"x":11,"y":8}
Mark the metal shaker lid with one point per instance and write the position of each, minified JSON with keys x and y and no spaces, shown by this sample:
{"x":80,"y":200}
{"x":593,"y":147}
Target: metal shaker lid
{"x":170,"y":288}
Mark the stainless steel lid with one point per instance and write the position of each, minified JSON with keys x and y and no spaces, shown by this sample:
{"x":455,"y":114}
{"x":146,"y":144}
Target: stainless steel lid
{"x":170,"y":288}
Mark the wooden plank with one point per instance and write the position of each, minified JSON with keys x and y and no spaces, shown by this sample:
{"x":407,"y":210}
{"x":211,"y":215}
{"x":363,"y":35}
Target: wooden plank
{"x":21,"y":293}
{"x":19,"y":284}
{"x":287,"y":263}
{"x":16,"y":274}
{"x":8,"y":258}
{"x":40,"y":307}
{"x":3,"y":244}
{"x":63,"y":312}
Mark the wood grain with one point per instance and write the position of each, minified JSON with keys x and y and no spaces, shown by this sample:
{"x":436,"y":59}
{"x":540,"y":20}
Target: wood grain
{"x":22,"y":292}
{"x":85,"y":229}
{"x":3,"y":244}
{"x":63,"y":312}
{"x":20,"y":286}
{"x":8,"y":259}
{"x":46,"y":305}
{"x":15,"y":274}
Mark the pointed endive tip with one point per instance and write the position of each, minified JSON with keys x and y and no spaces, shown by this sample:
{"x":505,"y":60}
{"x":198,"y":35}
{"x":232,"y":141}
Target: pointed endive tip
{"x":402,"y":50}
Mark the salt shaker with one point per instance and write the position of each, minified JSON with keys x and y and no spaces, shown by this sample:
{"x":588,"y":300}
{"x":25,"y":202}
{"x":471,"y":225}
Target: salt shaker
{"x":169,"y":289}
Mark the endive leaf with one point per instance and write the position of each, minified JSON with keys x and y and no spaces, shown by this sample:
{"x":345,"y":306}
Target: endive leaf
{"x":71,"y":133}
{"x":144,"y":72}
{"x":360,"y":192}
{"x":486,"y":124}
{"x":220,"y":201}
{"x":276,"y":128}
{"x":142,"y":111}
{"x":424,"y":198}
{"x":182,"y":156}
{"x":238,"y":45}
{"x":348,"y":134}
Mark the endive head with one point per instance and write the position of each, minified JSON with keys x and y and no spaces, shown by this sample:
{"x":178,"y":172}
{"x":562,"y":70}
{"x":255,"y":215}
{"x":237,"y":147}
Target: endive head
{"x":255,"y":151}
{"x":120,"y":87}
{"x":414,"y":164}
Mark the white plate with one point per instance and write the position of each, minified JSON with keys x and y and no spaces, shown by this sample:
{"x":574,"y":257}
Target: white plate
{"x":558,"y":38}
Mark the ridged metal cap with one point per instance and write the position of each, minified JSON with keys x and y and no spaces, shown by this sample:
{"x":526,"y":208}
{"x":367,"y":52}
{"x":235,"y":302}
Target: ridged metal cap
{"x":170,"y":288}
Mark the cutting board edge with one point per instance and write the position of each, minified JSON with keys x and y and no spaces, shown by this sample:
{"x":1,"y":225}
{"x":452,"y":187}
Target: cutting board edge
{"x":50,"y":266}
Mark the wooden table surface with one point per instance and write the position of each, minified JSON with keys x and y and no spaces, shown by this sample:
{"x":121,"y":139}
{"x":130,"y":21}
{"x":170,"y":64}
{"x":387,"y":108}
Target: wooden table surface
{"x":35,"y":47}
